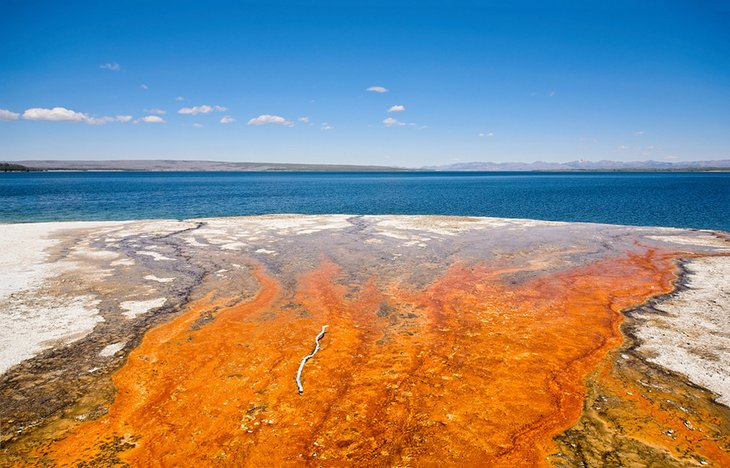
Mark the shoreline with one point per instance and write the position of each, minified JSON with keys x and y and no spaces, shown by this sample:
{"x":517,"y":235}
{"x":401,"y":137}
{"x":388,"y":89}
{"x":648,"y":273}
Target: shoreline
{"x":60,"y":224}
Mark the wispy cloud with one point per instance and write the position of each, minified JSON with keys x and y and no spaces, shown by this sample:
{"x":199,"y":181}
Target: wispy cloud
{"x":111,"y":66}
{"x":107,"y":119}
{"x":179,"y":99}
{"x":265,"y":119}
{"x":204,"y":109}
{"x":397,"y":108}
{"x":99,"y":120}
{"x":304,"y":119}
{"x":155,"y":110}
{"x":326,"y":126}
{"x":551,"y":94}
{"x":391,"y":122}
{"x":152,"y":119}
{"x":8,"y":115}
{"x":639,"y":132}
{"x":486,"y":134}
{"x":227,"y":119}
{"x":622,"y":147}
{"x":198,"y":125}
{"x":144,"y":86}
{"x":377,"y":89}
{"x":648,"y":150}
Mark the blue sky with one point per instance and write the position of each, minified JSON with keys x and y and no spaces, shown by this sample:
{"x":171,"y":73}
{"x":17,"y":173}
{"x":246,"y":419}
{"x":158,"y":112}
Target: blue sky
{"x":288,"y":81}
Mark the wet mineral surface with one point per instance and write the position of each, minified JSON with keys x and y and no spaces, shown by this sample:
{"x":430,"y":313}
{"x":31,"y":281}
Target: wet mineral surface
{"x":459,"y":341}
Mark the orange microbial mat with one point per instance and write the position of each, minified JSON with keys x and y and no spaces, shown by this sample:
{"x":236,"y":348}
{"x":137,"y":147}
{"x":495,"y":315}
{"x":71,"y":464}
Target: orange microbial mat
{"x":482,"y":367}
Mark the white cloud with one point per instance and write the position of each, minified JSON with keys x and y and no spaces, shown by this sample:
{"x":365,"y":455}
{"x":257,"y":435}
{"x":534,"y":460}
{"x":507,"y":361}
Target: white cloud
{"x":144,"y":86}
{"x":112,"y":66}
{"x":397,"y":108}
{"x":326,"y":126}
{"x":377,"y":89}
{"x":486,"y":134}
{"x":391,"y":122}
{"x":179,"y":99}
{"x":8,"y":115}
{"x":204,"y":109}
{"x":648,"y":150}
{"x":622,"y":147}
{"x":55,"y":114}
{"x":106,"y":119}
{"x":99,"y":120}
{"x":152,"y":119}
{"x":227,"y":119}
{"x":265,"y":119}
{"x":639,"y":132}
{"x":155,"y":110}
{"x":61,"y":114}
{"x":198,"y":125}
{"x":304,"y":119}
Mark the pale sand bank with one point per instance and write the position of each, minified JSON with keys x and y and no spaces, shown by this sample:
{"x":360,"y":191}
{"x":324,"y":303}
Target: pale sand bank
{"x":23,"y":249}
{"x":692,"y":337}
{"x":31,"y":317}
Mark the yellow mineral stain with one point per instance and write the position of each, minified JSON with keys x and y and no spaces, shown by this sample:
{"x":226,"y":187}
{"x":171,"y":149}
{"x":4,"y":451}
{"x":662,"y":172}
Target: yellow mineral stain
{"x":655,"y":416}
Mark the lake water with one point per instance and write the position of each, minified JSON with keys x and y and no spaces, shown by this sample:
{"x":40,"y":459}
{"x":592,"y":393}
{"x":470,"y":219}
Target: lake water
{"x":696,"y":200}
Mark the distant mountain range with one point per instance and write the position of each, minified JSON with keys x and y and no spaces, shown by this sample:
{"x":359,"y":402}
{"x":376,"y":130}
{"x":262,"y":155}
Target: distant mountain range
{"x":210,"y":166}
{"x":723,"y":164}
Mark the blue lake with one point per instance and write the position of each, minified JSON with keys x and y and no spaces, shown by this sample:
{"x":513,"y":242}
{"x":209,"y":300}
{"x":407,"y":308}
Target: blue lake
{"x":695,"y":200}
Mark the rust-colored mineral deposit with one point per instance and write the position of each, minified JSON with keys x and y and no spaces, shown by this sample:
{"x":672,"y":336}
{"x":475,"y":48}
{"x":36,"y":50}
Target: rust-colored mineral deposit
{"x":472,"y":370}
{"x":444,"y":357}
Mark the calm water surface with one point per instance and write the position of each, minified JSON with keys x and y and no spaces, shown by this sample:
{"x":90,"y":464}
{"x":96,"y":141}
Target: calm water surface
{"x":697,"y":200}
